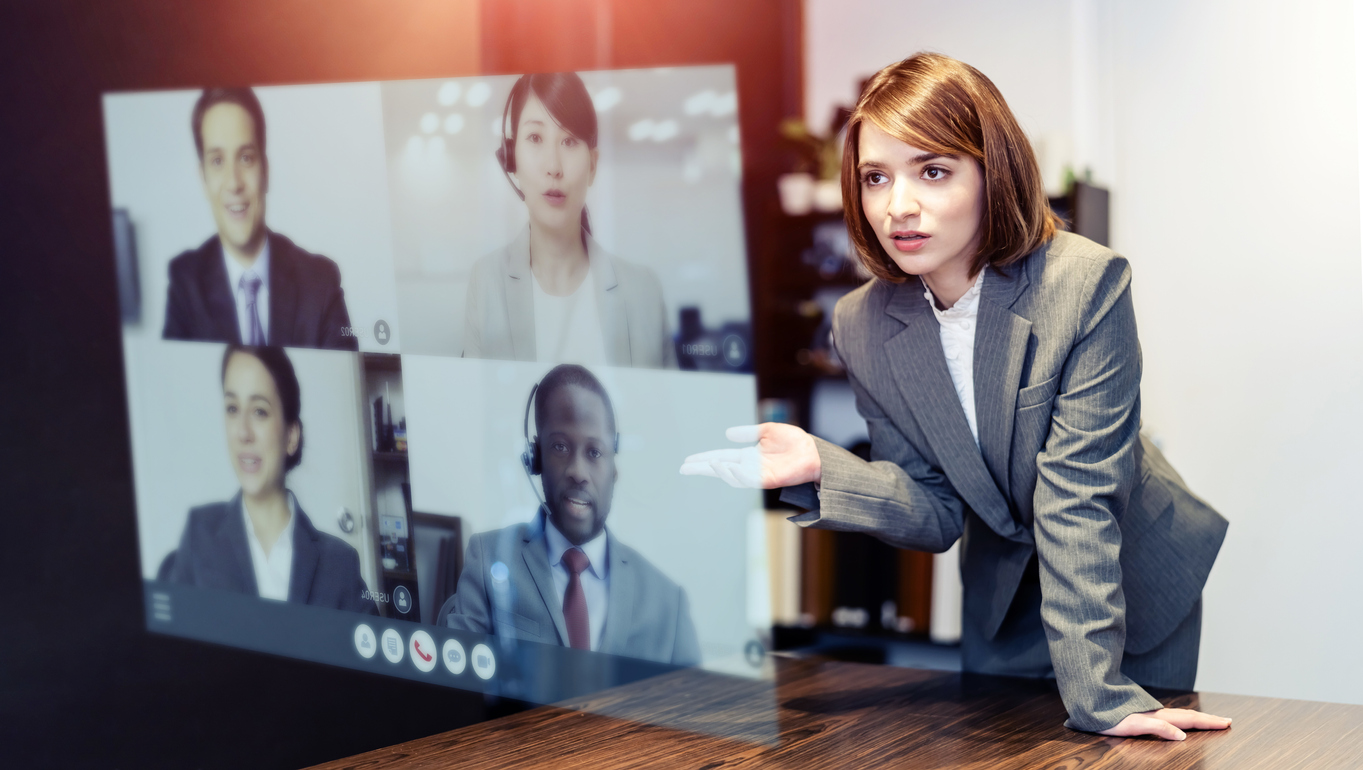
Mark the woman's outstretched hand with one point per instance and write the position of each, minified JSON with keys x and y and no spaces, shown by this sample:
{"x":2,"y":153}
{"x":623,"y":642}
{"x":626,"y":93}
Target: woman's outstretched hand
{"x":783,"y":457}
{"x":1168,"y":724}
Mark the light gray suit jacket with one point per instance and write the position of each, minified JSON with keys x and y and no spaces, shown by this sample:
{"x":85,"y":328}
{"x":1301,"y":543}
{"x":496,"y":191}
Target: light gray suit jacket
{"x":1061,"y":475}
{"x":647,"y":615}
{"x":499,"y":317}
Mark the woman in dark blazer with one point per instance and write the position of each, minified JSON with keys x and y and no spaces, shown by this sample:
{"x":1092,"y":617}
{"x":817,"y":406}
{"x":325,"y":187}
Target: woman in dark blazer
{"x":261,"y":542}
{"x":996,"y":362}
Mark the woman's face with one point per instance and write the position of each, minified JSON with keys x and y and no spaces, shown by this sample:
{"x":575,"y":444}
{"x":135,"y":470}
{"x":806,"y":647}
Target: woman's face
{"x":258,"y":441}
{"x":553,"y":168}
{"x":925,"y":208}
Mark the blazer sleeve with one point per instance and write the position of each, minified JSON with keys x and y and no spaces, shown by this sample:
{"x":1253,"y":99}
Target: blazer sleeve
{"x":471,"y":611}
{"x":898,"y":497}
{"x":1085,"y":473}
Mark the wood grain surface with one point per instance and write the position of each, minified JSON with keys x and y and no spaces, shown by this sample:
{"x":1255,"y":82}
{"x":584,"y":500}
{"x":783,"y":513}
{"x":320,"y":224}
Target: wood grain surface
{"x":815,"y":713}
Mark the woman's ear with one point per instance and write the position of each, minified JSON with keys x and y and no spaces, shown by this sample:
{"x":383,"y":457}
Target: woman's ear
{"x":294,"y":438}
{"x":596,"y":155}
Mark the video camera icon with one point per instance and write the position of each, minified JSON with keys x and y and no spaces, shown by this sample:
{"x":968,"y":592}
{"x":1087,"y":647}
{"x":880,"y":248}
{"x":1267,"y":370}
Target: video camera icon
{"x":484,"y":664}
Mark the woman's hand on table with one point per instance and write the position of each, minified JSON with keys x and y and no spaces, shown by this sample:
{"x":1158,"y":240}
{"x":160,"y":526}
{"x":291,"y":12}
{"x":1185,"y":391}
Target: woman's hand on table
{"x":1168,"y":724}
{"x":784,"y":456}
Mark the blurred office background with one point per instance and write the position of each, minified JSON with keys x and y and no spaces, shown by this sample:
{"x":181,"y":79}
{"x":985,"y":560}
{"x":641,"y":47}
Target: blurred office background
{"x":1226,"y":136}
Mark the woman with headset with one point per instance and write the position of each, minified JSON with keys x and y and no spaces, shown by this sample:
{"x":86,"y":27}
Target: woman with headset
{"x":995,"y":360}
{"x":553,"y":294}
{"x":261,"y":542}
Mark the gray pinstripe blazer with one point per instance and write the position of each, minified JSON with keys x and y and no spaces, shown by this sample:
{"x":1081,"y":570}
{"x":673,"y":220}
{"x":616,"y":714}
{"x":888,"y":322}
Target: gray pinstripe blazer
{"x":1067,"y":517}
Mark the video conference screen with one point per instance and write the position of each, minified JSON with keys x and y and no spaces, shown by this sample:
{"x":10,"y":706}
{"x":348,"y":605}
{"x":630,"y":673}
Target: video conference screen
{"x":412,"y":366}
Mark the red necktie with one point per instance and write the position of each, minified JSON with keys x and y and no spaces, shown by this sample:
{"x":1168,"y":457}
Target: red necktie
{"x":575,"y":601}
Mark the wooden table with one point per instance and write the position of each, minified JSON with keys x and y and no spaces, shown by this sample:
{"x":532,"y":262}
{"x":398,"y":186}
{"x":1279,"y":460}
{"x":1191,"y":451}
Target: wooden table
{"x":814,"y":713}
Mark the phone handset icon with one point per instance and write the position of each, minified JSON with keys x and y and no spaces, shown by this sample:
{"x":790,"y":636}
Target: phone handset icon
{"x":421,"y":652}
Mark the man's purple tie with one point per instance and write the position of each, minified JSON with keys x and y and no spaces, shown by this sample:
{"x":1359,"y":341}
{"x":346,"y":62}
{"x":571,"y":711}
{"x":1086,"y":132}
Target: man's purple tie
{"x":575,"y":601}
{"x":251,"y":283}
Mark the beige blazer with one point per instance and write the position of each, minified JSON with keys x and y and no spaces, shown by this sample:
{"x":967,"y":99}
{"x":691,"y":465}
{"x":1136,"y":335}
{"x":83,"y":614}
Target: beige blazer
{"x":500,"y":312}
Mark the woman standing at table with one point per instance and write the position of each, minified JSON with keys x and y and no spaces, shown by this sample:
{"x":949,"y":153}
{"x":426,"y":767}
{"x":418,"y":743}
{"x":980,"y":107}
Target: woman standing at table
{"x":553,"y":294}
{"x":996,"y":363}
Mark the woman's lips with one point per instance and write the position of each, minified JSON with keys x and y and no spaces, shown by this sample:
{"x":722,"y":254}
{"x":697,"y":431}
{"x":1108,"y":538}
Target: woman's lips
{"x":909,"y":240}
{"x":556,"y":197}
{"x":248,"y":463}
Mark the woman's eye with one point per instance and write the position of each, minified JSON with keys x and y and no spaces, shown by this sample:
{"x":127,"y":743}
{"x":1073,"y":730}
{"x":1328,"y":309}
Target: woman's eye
{"x":873,"y":178}
{"x":935,"y":173}
{"x":261,"y":413}
{"x":594,"y":453}
{"x":570,"y":142}
{"x":535,"y":138}
{"x":559,"y":446}
{"x":231,"y":409}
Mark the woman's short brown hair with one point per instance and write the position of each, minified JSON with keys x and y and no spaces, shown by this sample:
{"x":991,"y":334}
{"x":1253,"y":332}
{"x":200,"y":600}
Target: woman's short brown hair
{"x":938,"y":104}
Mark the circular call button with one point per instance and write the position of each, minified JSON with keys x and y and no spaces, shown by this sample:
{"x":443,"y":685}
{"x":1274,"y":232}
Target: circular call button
{"x":422,"y":647}
{"x":453,"y":655}
{"x":365,"y":643}
{"x":484,"y":665}
{"x":392,"y":645}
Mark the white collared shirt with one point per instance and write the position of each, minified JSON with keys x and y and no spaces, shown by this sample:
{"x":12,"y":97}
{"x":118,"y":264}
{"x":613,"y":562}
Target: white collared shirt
{"x":568,"y":329}
{"x":595,"y":578}
{"x":273,"y":571}
{"x":958,"y":345}
{"x":235,"y":273}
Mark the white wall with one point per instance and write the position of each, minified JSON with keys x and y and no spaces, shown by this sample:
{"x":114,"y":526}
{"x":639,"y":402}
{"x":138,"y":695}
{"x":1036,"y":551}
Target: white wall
{"x":1229,"y":135}
{"x":180,"y":450}
{"x":1239,"y":208}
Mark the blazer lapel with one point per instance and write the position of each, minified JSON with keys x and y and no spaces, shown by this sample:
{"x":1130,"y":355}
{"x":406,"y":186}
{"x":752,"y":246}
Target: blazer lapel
{"x":919,"y":365}
{"x":233,"y":533}
{"x":305,"y":556}
{"x":219,"y":297}
{"x":610,"y":305}
{"x":536,"y":556}
{"x":520,"y":299}
{"x":619,"y":599}
{"x":1000,"y":349}
{"x":283,"y":293}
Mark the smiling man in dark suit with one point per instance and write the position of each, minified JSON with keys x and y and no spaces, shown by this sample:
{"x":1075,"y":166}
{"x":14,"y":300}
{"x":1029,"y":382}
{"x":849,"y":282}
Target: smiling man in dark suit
{"x":246,"y":284}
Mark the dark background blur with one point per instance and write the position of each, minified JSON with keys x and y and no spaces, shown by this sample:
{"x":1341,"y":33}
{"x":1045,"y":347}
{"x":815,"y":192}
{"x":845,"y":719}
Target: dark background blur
{"x":81,"y":683}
